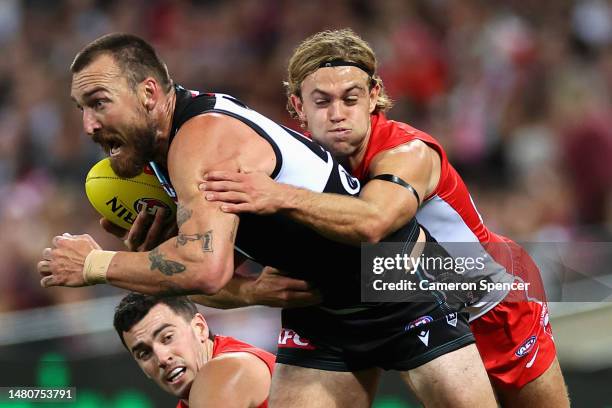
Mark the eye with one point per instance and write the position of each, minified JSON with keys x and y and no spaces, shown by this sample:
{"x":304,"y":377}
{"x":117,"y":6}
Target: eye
{"x":167,"y":338}
{"x":351,"y":100}
{"x":321,"y":102}
{"x":98,"y":104}
{"x":143,"y":355}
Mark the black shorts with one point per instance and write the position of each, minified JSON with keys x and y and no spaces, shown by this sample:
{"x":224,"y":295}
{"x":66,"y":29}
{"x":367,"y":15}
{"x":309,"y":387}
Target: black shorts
{"x":380,"y":336}
{"x":390,"y":335}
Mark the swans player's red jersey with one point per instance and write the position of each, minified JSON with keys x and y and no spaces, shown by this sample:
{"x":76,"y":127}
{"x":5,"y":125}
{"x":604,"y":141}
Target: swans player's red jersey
{"x":450,"y":215}
{"x":225,"y":344}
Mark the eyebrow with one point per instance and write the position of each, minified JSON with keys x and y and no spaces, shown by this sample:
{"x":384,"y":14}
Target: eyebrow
{"x":359,"y":87}
{"x":140,"y":344}
{"x":89,"y":93}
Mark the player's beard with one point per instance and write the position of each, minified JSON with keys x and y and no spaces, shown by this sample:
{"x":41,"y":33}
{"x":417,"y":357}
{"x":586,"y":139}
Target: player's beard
{"x":136,"y":153}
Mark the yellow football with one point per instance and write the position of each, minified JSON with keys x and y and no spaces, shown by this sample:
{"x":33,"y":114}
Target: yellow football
{"x":120,"y":199}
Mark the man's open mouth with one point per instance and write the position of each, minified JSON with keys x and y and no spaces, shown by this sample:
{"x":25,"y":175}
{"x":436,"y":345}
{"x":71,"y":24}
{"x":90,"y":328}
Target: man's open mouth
{"x":175,"y":374}
{"x":115,"y":148}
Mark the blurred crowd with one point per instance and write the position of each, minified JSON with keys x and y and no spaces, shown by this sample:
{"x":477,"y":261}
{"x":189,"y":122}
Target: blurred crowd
{"x":518,"y":92}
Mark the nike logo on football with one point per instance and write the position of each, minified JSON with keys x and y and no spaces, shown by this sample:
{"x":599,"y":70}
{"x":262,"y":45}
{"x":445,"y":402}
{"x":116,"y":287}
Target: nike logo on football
{"x":424,"y":337}
{"x":530,"y":362}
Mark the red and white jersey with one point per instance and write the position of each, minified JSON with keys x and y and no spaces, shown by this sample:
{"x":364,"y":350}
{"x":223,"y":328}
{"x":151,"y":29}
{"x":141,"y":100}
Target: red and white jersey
{"x":226,"y":344}
{"x":448,"y":213}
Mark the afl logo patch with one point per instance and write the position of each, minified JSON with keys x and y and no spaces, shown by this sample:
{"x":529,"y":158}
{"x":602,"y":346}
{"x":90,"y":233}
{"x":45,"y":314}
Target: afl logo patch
{"x":350,"y":183}
{"x":526,"y":347}
{"x":418,"y":322}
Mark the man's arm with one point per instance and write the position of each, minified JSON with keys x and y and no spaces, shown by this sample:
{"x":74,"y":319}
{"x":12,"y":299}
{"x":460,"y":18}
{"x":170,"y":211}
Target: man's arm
{"x":147,"y":231}
{"x":382,"y":207}
{"x":232,"y":380}
{"x":270,"y":288}
{"x":200,"y":258}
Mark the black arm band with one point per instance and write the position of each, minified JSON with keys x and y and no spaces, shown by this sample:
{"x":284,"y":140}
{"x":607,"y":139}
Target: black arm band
{"x":394,"y":179}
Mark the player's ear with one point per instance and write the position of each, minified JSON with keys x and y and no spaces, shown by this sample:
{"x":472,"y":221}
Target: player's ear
{"x":298,"y":106}
{"x":374,"y":93}
{"x":200,"y":327}
{"x":148,"y":92}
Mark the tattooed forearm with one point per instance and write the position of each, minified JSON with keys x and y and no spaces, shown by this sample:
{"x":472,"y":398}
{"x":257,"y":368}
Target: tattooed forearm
{"x":206,"y":239}
{"x":165,"y":266}
{"x":182,"y":215}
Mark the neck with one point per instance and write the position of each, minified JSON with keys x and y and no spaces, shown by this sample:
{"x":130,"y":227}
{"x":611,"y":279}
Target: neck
{"x":357,"y":157}
{"x":163,"y":132}
{"x":207,"y":353}
{"x":209,"y":345}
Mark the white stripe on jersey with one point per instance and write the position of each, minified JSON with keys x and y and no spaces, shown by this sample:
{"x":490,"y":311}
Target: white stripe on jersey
{"x":300,"y":166}
{"x":442,"y":220}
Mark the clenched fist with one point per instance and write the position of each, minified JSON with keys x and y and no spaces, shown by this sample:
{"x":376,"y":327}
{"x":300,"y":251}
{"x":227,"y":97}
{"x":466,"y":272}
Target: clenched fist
{"x":62,"y":265}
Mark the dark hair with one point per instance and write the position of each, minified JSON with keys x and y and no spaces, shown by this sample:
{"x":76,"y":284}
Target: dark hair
{"x":135,"y":306}
{"x":136,"y":58}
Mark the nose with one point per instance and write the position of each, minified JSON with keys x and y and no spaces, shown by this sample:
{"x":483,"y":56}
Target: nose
{"x":90,"y":123}
{"x":336,"y":111}
{"x":164,"y":357}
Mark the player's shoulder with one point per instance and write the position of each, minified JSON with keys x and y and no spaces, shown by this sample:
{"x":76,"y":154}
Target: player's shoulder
{"x":239,"y":376}
{"x":413,"y":150}
{"x":242,"y":361}
{"x":210,"y":124}
{"x":233,"y":367}
{"x":206,"y":135}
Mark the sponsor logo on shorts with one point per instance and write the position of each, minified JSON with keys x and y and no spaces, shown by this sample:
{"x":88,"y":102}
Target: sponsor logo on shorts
{"x":418,"y":322}
{"x":526,"y":347}
{"x":151,"y":205}
{"x":451,"y":319}
{"x":545,"y":320}
{"x":290,"y":339}
{"x":544,"y":315}
{"x":530,"y":362}
{"x":424,"y":337}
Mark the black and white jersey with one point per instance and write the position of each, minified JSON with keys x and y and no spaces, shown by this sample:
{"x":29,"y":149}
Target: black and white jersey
{"x":276,"y":240}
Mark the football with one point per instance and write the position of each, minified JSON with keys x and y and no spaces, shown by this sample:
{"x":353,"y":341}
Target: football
{"x":120,"y":199}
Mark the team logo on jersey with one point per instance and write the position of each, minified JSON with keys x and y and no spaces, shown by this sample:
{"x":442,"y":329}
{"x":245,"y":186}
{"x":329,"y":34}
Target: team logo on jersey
{"x":526,"y":347}
{"x":350,"y":183}
{"x":451,"y":319}
{"x":151,"y":205}
{"x":290,"y":339}
{"x":418,"y":322}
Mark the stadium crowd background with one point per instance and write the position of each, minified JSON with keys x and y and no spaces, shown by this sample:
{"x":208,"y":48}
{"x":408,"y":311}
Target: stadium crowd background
{"x":517,"y":91}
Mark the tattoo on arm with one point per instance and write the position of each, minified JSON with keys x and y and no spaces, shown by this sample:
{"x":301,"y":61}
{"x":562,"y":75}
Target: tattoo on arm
{"x":182,"y":215}
{"x":165,"y":266}
{"x":206,"y":238}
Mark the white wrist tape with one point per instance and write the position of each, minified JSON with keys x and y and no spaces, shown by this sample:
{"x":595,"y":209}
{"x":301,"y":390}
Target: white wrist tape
{"x":96,"y":266}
